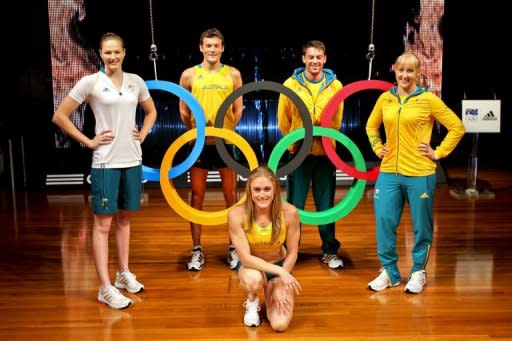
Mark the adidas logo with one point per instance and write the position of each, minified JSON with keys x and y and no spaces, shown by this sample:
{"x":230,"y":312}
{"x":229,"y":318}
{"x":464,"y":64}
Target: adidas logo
{"x":106,"y":89}
{"x":489,"y":116}
{"x":424,"y":196}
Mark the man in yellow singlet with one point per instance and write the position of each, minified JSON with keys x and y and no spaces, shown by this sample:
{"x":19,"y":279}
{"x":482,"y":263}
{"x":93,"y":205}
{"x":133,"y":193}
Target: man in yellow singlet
{"x":210,"y":83}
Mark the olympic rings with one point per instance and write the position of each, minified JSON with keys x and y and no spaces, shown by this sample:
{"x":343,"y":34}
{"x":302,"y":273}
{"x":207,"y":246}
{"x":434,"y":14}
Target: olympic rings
{"x":173,"y":198}
{"x":153,"y":174}
{"x":355,"y":192}
{"x":276,"y":87}
{"x":344,"y":207}
{"x":326,"y":118}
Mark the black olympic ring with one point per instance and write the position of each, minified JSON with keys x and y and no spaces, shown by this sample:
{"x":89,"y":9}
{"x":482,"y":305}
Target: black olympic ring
{"x":305,"y":148}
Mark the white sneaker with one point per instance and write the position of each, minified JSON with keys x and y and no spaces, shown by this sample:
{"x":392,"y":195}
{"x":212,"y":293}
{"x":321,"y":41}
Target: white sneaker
{"x":381,"y":282}
{"x":332,"y":261}
{"x":251,"y":317}
{"x":232,"y":257}
{"x":197,"y":261}
{"x":416,"y":282}
{"x":127,"y":280}
{"x":111,"y":296}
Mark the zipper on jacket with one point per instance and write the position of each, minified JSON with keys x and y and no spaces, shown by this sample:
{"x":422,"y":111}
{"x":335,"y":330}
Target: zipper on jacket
{"x":398,"y":136}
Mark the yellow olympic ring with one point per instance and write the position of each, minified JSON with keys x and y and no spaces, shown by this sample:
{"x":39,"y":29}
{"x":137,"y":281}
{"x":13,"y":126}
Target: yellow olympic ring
{"x":172,"y":196}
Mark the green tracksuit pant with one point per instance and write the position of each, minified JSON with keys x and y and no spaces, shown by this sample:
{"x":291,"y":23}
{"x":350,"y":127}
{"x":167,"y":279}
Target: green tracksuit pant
{"x":320,"y":173}
{"x":391,"y":192}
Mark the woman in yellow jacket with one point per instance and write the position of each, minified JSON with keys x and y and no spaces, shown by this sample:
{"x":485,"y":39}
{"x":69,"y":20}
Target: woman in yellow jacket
{"x":407,"y":171}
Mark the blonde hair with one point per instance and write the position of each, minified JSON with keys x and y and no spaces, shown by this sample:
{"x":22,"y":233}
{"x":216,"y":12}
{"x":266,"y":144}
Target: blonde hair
{"x":263,"y":171}
{"x":410,"y":58}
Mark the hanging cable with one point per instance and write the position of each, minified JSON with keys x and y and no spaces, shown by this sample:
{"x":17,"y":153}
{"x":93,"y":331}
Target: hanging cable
{"x":371,"y":47}
{"x":153,"y":55}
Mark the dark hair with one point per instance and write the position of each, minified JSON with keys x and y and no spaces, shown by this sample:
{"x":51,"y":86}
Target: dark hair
{"x":314,"y":43}
{"x":111,"y":36}
{"x":211,"y":33}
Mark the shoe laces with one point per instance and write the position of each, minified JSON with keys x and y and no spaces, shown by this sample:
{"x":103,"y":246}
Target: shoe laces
{"x":383,"y":274}
{"x":197,"y":256}
{"x":383,"y":277}
{"x":418,"y":276}
{"x":232,"y":254}
{"x":328,"y":258}
{"x":128,"y":275}
{"x":110,"y":293}
{"x":250,"y":305}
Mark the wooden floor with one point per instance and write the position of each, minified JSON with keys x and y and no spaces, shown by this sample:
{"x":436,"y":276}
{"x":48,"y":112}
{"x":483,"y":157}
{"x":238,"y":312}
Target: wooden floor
{"x":48,"y":284}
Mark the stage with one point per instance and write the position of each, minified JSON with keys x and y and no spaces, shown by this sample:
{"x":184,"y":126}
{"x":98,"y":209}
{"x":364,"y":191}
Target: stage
{"x":49,"y":285}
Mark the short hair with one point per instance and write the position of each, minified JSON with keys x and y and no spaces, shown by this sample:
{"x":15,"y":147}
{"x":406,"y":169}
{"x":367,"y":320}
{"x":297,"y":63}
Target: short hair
{"x":211,"y":33}
{"x":314,"y":43}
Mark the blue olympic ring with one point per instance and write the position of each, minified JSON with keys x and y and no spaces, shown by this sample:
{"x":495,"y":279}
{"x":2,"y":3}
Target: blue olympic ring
{"x":153,"y":174}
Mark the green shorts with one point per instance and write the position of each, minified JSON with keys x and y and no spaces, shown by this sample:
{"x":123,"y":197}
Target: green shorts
{"x":268,"y":275}
{"x":116,"y":188}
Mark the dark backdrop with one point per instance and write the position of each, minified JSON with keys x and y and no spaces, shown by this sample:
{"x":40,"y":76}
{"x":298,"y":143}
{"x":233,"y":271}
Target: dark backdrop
{"x":474,"y":62}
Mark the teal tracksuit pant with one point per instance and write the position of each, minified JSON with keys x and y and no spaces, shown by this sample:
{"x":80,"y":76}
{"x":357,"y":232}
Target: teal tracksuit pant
{"x":391,"y":192}
{"x":320,"y":173}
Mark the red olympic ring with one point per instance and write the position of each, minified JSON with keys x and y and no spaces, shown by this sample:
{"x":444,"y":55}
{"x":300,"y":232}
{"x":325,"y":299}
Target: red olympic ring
{"x":327,"y":115}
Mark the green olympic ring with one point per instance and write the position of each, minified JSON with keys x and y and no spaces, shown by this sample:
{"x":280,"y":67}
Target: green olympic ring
{"x":355,"y":193}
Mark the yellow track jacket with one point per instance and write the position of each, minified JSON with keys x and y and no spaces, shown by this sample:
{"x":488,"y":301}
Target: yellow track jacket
{"x":408,"y":123}
{"x":288,"y":116}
